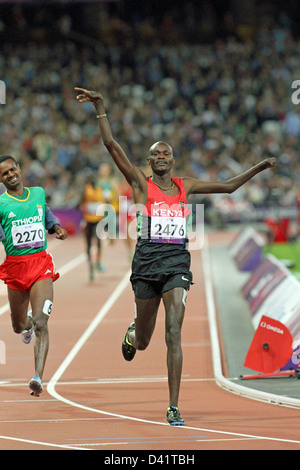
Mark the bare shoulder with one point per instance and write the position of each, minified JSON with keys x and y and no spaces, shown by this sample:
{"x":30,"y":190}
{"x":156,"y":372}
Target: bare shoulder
{"x":139,"y":185}
{"x":139,"y":175}
{"x":188,"y":183}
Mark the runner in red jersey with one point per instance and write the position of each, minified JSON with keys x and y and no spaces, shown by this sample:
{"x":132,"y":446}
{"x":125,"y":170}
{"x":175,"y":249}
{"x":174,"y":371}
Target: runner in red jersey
{"x":164,"y":252}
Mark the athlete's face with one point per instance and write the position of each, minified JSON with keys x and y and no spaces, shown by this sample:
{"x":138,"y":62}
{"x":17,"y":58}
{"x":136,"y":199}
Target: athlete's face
{"x":161,"y":157}
{"x":10,"y":174}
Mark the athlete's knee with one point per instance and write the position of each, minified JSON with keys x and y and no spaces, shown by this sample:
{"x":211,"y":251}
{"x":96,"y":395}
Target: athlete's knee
{"x":18,"y":327}
{"x":142,"y":342}
{"x":173,"y":335}
{"x":40,"y":324}
{"x":142,"y":345}
{"x":40,"y":320}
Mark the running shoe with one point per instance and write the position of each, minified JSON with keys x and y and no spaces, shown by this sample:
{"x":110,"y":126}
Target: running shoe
{"x":27,"y":335}
{"x":173,"y":416}
{"x":127,"y":349}
{"x":101,"y":267}
{"x":36,"y":386}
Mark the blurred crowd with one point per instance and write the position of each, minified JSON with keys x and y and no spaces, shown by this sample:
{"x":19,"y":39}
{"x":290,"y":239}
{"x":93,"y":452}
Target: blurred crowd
{"x":223,"y":107}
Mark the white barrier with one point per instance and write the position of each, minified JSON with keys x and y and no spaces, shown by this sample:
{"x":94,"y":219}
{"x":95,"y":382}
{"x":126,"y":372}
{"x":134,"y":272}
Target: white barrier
{"x":271,"y":289}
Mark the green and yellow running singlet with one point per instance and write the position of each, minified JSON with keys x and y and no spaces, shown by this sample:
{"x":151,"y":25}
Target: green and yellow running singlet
{"x":23,"y":221}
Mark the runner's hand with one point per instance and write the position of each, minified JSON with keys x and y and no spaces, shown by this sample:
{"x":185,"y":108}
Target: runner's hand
{"x":270,"y":162}
{"x":89,"y":96}
{"x":61,"y":233}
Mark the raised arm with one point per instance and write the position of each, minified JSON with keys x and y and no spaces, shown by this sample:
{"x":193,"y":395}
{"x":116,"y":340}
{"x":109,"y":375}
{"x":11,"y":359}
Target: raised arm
{"x":134,"y":175}
{"x":194,"y":186}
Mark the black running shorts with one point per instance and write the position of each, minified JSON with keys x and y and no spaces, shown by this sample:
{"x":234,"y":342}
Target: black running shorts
{"x":149,"y":289}
{"x":157,"y":268}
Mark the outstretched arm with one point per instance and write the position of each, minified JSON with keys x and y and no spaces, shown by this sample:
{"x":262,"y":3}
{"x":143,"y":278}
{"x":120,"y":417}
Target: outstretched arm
{"x":134,"y":176}
{"x":194,"y":186}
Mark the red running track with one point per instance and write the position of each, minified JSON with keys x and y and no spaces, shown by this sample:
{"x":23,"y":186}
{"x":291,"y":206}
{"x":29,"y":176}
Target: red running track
{"x":94,"y":400}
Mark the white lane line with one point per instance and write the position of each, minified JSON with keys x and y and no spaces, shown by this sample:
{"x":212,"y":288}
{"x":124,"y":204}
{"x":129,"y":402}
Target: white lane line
{"x":72,"y":264}
{"x":118,"y":443}
{"x":88,"y":332}
{"x":222,"y":381}
{"x":51,"y":388}
{"x":54,"y":420}
{"x":47,"y":444}
{"x":62,"y":271}
{"x":99,"y":317}
{"x":108,"y":381}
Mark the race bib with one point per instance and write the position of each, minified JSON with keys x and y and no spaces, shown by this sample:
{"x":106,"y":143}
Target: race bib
{"x":168,"y":229}
{"x":28,"y":236}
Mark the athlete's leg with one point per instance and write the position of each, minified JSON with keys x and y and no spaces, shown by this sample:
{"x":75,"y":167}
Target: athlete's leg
{"x":100,"y":266}
{"x":88,"y":237}
{"x":98,"y":244}
{"x":19,"y":301}
{"x":174,"y":302}
{"x":145,"y":319}
{"x":41,"y":298}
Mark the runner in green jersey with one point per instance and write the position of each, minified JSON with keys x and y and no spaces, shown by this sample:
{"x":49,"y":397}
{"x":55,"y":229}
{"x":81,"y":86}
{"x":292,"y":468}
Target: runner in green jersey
{"x":23,"y":222}
{"x":28,"y":269}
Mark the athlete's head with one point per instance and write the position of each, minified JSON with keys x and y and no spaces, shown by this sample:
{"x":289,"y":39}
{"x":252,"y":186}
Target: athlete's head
{"x":161,"y":157}
{"x":10,"y":172}
{"x":105,"y":171}
{"x":3,"y":158}
{"x":160,"y":144}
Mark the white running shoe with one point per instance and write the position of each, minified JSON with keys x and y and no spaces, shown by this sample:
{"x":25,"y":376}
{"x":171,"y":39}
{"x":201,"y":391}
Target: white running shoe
{"x":27,"y":335}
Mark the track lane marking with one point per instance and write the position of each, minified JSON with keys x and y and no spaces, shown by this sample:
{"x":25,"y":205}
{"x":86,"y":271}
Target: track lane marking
{"x":51,"y":387}
{"x":69,"y":266}
{"x":47,"y":444}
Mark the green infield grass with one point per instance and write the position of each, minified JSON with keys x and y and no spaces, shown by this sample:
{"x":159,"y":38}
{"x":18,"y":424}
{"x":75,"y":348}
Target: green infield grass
{"x":289,"y":253}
